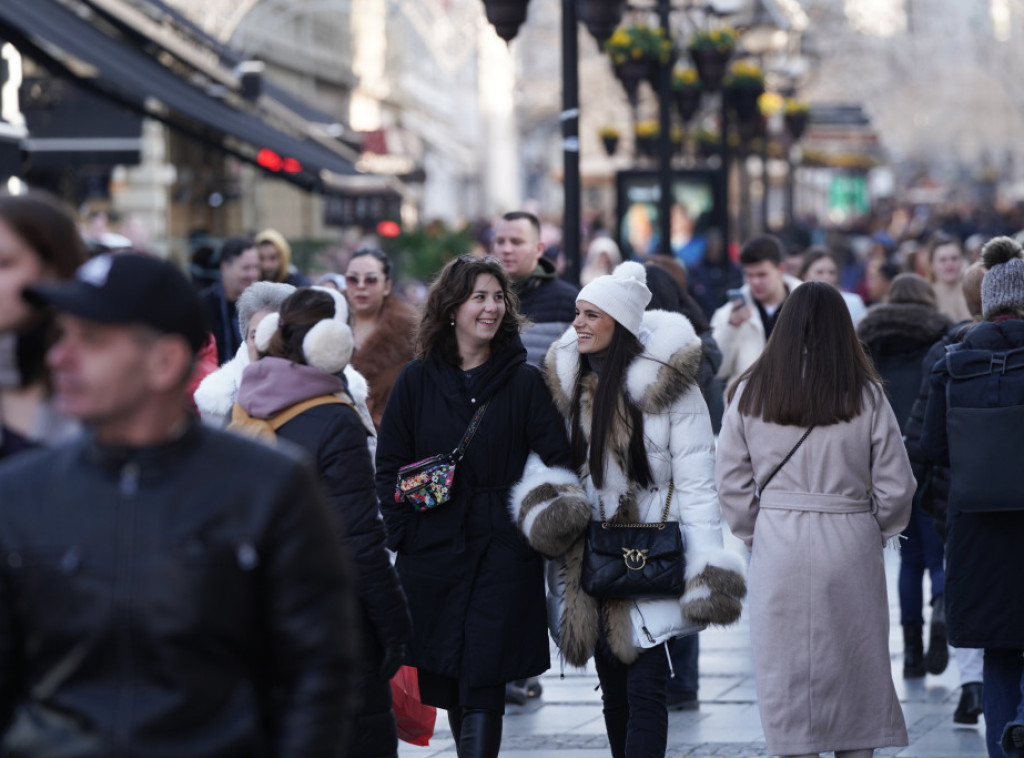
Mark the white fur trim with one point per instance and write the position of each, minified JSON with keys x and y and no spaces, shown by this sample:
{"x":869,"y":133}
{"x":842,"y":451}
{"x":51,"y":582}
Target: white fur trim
{"x":536,"y":474}
{"x":328,"y":346}
{"x":662,"y":334}
{"x":266,"y":329}
{"x":215,"y":395}
{"x":340,"y":303}
{"x":697,"y":593}
{"x":722,"y":558}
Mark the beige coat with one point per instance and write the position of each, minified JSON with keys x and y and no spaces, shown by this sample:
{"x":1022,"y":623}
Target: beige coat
{"x":819,"y":614}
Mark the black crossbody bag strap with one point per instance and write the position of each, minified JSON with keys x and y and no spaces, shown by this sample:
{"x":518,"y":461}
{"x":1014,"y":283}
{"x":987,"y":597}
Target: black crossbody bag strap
{"x":785,"y":460}
{"x":474,"y":423}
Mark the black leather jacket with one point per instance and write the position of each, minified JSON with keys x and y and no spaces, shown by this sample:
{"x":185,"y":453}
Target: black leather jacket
{"x":191,"y":599}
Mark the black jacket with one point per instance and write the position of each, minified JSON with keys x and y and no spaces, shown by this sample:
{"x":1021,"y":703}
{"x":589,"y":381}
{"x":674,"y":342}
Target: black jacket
{"x":897,"y":336}
{"x":188,"y":599}
{"x":932,"y":479}
{"x":222,"y":321}
{"x":550,"y":304}
{"x":984,"y":559}
{"x":475,"y":588}
{"x":335,"y":437}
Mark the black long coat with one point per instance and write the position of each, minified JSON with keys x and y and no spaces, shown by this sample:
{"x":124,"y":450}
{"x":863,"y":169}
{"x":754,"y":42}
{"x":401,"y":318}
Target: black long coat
{"x":984,"y":559}
{"x":474,"y":586}
{"x":334,"y":436}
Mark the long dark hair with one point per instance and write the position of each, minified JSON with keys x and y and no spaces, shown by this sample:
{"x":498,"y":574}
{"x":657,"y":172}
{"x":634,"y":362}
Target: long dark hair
{"x":452,"y":287}
{"x":611,"y":403}
{"x":813,"y":369}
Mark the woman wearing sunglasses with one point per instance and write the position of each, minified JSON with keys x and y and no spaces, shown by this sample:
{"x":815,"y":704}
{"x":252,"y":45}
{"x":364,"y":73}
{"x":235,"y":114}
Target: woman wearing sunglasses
{"x":383,"y":324}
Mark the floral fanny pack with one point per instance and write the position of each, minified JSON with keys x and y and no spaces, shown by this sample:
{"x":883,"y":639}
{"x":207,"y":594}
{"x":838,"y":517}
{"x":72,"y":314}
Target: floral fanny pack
{"x":428,"y":483}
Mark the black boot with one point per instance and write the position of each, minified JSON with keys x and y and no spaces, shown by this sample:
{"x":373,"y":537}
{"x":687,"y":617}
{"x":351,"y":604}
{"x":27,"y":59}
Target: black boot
{"x":481,"y":734}
{"x":455,"y":722}
{"x":913,"y":651}
{"x":937,"y":657}
{"x":969,"y":707}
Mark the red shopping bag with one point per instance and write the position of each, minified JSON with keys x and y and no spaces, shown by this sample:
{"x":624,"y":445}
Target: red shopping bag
{"x":415,"y":720}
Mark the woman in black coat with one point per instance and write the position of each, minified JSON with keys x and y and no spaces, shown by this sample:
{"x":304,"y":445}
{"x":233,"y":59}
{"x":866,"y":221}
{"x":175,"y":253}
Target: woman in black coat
{"x":296,"y":387}
{"x":973,"y":425}
{"x":475,"y":588}
{"x":897,"y":335}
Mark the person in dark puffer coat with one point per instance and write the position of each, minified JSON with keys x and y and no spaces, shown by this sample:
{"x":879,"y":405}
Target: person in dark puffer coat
{"x":933,"y":485}
{"x":897,"y":335}
{"x":981,"y":446}
{"x":303,"y":349}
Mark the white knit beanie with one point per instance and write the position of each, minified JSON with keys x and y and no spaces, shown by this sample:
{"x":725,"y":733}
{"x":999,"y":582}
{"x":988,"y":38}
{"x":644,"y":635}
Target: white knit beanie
{"x":622,"y":294}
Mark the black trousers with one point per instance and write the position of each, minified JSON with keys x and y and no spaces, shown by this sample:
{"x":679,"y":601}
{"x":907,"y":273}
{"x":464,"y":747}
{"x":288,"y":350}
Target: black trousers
{"x":633,"y":696}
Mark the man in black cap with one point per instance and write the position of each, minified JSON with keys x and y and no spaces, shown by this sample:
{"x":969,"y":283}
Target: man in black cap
{"x":165,"y":589}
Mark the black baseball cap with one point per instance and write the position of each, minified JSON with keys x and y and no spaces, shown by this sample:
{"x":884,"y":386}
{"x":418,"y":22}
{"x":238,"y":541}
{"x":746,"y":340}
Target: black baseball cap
{"x":129,"y":288}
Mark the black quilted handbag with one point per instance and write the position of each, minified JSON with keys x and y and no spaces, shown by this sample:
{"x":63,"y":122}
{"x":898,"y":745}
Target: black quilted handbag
{"x":634,"y":561}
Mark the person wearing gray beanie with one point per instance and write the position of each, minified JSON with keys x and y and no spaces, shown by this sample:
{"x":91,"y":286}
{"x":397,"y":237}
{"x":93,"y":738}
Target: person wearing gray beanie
{"x":1002,"y":289}
{"x":981,"y":375}
{"x":625,"y":380}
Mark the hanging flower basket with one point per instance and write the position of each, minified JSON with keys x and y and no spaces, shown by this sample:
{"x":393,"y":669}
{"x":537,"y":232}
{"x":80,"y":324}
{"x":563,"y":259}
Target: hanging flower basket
{"x":647,"y":133}
{"x":610,"y":139}
{"x":631,"y":72}
{"x":744,"y":85}
{"x":710,"y":51}
{"x":707,"y":143}
{"x":686,"y":92}
{"x":796,"y":116}
{"x":637,"y":53}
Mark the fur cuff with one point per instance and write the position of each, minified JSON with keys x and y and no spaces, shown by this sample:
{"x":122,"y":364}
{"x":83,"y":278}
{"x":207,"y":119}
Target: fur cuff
{"x":549,"y":507}
{"x":714,"y":594}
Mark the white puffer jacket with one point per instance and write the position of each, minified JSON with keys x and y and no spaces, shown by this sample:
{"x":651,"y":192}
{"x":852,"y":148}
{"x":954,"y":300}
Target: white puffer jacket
{"x":681,"y":451}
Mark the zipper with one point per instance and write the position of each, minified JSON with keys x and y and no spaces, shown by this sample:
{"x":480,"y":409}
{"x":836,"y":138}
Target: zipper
{"x":643,"y":623}
{"x":128,"y":488}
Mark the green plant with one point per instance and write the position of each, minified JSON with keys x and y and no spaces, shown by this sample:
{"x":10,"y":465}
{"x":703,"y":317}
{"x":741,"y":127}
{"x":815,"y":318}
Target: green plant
{"x":638,"y":42}
{"x":648,"y":128}
{"x":794,"y":107}
{"x":420,"y":253}
{"x":685,"y":77}
{"x":744,"y":74}
{"x":722,"y":39}
{"x":608,"y":132}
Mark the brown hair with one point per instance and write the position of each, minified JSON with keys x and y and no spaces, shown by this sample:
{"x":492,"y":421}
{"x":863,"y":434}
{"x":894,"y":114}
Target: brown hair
{"x":452,"y":287}
{"x":911,"y":288}
{"x":300,"y":312}
{"x":47,"y":226}
{"x":812,"y":256}
{"x":813,"y":369}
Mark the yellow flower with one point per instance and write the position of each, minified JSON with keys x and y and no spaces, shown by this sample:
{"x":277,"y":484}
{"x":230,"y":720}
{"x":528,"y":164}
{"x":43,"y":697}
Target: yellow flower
{"x":648,"y":128}
{"x":619,"y":38}
{"x":636,"y":52}
{"x":608,"y":131}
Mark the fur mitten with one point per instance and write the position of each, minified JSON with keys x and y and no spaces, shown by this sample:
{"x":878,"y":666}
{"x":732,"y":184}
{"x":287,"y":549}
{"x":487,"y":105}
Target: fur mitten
{"x":714,"y":595}
{"x":549,"y":507}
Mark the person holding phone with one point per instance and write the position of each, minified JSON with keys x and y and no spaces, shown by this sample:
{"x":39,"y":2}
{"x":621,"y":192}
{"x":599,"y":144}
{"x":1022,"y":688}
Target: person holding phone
{"x":742,"y":326}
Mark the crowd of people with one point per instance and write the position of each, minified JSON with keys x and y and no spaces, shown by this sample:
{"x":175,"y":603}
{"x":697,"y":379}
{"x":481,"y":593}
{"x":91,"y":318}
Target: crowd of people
{"x":205,"y":551}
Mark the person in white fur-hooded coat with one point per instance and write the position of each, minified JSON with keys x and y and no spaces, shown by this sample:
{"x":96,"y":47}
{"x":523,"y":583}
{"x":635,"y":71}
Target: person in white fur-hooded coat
{"x":657,"y":440}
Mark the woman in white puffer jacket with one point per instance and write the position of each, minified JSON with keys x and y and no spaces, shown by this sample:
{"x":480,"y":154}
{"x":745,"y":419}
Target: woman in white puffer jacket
{"x":656,"y":444}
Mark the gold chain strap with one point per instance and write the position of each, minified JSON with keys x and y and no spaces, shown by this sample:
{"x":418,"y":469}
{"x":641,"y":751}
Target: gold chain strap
{"x":605,"y":524}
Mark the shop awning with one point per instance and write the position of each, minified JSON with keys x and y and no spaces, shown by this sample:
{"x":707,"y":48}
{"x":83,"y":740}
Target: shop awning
{"x":71,"y":45}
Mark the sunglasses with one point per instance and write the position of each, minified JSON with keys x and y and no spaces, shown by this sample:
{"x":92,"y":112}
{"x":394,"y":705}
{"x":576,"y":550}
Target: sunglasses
{"x":354,"y":280}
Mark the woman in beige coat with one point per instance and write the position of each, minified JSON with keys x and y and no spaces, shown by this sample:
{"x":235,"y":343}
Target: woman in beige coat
{"x":819,"y":615}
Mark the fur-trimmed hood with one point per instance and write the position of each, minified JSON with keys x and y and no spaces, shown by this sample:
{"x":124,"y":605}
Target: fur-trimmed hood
{"x":667,"y":368}
{"x":216,"y":394}
{"x":906,"y":322}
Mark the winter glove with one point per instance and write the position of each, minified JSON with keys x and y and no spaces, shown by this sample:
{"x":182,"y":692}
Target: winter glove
{"x":394,"y":656}
{"x":549,"y":507}
{"x":714,"y":596}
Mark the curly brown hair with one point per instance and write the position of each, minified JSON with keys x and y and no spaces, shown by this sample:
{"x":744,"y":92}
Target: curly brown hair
{"x":452,"y":287}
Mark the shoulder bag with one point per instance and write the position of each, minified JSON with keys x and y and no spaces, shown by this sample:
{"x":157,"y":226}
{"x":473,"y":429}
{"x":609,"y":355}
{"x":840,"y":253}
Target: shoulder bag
{"x":784,"y":461}
{"x":634,"y":561}
{"x":428,"y":483}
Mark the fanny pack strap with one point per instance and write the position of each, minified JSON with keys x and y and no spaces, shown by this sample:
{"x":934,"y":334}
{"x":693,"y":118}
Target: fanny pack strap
{"x":784,"y":461}
{"x":474,"y":423}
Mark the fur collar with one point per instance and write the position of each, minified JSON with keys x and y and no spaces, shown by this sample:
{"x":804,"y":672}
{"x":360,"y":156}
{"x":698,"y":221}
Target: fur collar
{"x":390,"y":345}
{"x":903,"y":321}
{"x":657,"y":378}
